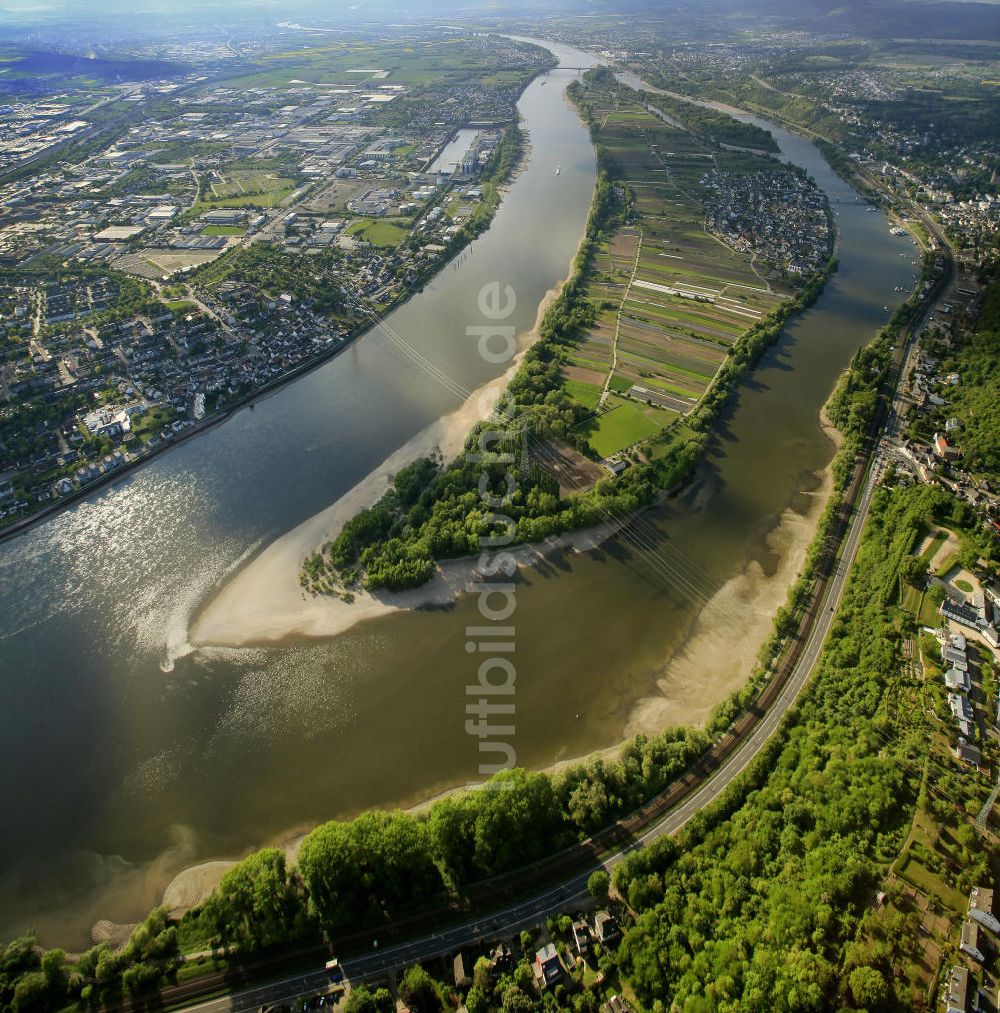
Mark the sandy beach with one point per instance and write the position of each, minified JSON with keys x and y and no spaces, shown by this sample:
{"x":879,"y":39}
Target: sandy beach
{"x":727,"y":634}
{"x":265,"y":603}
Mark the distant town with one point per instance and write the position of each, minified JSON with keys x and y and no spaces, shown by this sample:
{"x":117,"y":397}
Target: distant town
{"x":222,"y":241}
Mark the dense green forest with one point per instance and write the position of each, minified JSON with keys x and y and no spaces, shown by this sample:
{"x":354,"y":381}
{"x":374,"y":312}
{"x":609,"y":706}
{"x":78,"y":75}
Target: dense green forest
{"x":710,"y":123}
{"x":753,"y":905}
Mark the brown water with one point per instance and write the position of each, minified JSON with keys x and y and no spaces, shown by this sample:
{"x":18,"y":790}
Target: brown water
{"x":125,"y":756}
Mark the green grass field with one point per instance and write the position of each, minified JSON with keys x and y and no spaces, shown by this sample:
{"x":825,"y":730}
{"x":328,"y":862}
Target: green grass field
{"x":378,"y":233}
{"x":222,"y":230}
{"x":933,"y":545}
{"x":621,"y":427}
{"x":587,"y":394}
{"x":419,"y":63}
{"x":247,"y":184}
{"x":272,"y":200}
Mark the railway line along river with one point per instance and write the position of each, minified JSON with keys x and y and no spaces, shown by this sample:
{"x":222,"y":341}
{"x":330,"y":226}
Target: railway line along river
{"x":128,"y":755}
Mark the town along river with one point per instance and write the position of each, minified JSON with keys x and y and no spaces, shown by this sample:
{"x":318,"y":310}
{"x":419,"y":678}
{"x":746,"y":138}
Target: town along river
{"x":126,"y":757}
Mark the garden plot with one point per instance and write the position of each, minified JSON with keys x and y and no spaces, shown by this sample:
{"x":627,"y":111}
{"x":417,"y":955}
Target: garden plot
{"x":670,"y":297}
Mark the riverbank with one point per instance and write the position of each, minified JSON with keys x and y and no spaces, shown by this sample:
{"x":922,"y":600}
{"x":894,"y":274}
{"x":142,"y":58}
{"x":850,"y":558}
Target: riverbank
{"x":264,"y":603}
{"x":27,"y":522}
{"x":725,"y":637}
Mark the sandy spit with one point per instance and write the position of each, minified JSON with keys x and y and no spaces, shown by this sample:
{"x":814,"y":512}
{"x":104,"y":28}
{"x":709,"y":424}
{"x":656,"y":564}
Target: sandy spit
{"x":264,"y":603}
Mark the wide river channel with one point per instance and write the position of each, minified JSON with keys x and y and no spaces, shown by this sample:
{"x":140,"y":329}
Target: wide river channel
{"x":125,"y":755}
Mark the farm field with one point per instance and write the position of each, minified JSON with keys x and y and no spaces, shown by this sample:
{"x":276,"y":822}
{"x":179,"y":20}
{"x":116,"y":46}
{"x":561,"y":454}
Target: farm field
{"x":241,"y":189}
{"x":671,"y":298}
{"x":356,"y":62}
{"x":247,"y":184}
{"x":377,"y":232}
{"x":169,"y":261}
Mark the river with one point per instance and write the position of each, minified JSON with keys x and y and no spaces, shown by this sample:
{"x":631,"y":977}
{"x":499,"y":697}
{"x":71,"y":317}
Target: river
{"x":126,"y":755}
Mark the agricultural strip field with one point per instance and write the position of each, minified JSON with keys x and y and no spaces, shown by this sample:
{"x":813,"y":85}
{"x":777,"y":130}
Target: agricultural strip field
{"x":245,"y":184}
{"x":671,"y":298}
{"x":352,"y":62}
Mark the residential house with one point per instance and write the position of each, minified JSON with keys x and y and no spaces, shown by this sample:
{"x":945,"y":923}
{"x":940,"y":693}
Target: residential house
{"x":502,"y":959}
{"x":973,"y":941}
{"x":461,"y":967}
{"x":961,"y":614}
{"x":956,"y":658}
{"x":956,"y":991}
{"x":981,"y":908}
{"x":606,"y":930}
{"x":956,"y":680}
{"x":960,"y":706}
{"x":968,"y":753}
{"x":548,"y":966}
{"x":581,"y":937}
